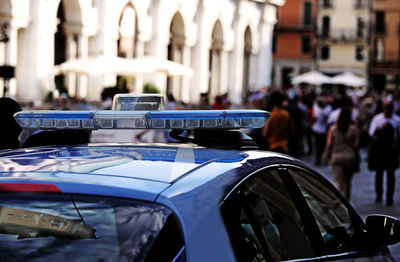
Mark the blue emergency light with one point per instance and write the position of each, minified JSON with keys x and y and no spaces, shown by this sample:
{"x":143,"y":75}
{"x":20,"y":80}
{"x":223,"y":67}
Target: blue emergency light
{"x":142,"y":112}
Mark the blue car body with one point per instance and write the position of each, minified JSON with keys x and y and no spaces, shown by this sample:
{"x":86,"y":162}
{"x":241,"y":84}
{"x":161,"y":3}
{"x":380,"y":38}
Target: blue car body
{"x":191,"y":181}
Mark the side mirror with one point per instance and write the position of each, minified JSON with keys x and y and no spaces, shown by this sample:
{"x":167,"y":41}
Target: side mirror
{"x":384,"y":230}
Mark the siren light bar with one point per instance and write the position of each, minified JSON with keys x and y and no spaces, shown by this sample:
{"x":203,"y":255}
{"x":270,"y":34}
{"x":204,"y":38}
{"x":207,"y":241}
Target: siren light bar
{"x":141,"y":112}
{"x":183,"y":119}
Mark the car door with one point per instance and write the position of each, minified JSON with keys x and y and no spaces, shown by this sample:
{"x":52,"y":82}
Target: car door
{"x":263,"y":221}
{"x":341,"y":229}
{"x":287,"y":213}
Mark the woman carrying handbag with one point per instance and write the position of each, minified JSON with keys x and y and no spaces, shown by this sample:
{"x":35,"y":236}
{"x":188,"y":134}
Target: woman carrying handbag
{"x":341,"y":147}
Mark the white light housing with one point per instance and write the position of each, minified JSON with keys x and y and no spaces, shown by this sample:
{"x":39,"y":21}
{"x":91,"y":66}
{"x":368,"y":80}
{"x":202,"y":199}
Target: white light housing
{"x":129,"y":102}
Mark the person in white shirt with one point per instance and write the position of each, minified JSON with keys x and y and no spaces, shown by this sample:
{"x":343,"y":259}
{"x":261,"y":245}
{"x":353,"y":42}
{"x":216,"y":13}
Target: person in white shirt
{"x":383,"y":153}
{"x":320,"y":115}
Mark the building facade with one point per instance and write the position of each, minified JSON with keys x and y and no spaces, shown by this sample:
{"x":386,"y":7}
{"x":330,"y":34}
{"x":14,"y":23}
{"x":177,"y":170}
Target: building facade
{"x":226,"y":42}
{"x":384,"y":66}
{"x":343,"y":31}
{"x":294,"y":40}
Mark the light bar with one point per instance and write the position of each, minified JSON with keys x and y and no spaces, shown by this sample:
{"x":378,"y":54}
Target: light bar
{"x":182,"y":119}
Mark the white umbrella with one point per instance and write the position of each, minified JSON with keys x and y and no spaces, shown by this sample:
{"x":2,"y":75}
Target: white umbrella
{"x":160,"y":65}
{"x":349,"y":79}
{"x":122,"y":66}
{"x":312,"y":78}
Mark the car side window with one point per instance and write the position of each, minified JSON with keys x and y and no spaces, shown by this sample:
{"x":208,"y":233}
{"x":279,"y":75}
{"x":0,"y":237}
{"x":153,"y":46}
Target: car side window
{"x":330,"y":213}
{"x":262,"y":216}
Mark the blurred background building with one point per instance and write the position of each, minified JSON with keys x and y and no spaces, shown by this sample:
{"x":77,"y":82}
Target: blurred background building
{"x":343,"y":28}
{"x":384,"y":64}
{"x":226,"y":43}
{"x":294,"y":40}
{"x":358,"y":37}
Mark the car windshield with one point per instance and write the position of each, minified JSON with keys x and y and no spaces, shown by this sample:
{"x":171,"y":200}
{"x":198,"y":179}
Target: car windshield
{"x":78,"y":228}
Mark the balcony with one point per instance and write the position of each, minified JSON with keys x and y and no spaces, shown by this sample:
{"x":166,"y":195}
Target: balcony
{"x":294,"y":28}
{"x":343,"y":35}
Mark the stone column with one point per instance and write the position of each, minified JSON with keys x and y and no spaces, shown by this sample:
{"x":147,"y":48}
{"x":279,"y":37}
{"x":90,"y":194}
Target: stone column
{"x":82,"y":83}
{"x":139,"y":52}
{"x":236,"y":66}
{"x":215,"y":74}
{"x":224,"y":71}
{"x":176,"y":81}
{"x":11,"y":54}
{"x":265,"y":56}
{"x":199,"y":81}
{"x":70,"y":79}
{"x":185,"y":82}
{"x":159,"y":43}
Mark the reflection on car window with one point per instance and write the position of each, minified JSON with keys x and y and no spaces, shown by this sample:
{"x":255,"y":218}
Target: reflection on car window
{"x":55,"y":228}
{"x":264,"y":212}
{"x":331,"y":214}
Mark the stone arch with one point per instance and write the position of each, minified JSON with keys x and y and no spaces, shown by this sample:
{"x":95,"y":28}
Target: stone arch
{"x":69,"y":44}
{"x":128,"y":31}
{"x":177,"y":27}
{"x":73,"y":11}
{"x":248,"y":46}
{"x":214,"y":65}
{"x":175,"y":51}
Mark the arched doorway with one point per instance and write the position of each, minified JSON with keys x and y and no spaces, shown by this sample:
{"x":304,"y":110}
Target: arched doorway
{"x":175,"y":53}
{"x":69,"y":43}
{"x":60,"y":48}
{"x":246,"y":64}
{"x":214,"y":65}
{"x":127,"y":32}
{"x":127,"y":37}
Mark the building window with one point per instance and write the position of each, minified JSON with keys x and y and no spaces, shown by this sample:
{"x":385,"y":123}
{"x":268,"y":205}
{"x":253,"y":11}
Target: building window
{"x":325,"y":52}
{"x":326,"y":23}
{"x":360,"y":27}
{"x":287,"y":73}
{"x":380,"y":22}
{"x":326,"y":3}
{"x":359,"y":53}
{"x":306,"y":45}
{"x":307,"y":15}
{"x":359,"y":4}
{"x":274,"y":43}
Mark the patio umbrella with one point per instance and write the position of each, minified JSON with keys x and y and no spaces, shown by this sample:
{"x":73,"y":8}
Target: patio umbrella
{"x":122,"y":66}
{"x":160,"y":65}
{"x":349,"y":79}
{"x":312,"y":78}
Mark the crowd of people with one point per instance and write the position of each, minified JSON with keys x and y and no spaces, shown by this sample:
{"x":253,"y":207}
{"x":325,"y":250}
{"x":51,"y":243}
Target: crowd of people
{"x":333,"y":128}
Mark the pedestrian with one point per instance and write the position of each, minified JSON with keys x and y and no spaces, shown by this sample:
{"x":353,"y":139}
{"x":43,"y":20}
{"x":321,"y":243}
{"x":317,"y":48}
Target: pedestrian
{"x":341,"y":145}
{"x":219,"y":103}
{"x":298,"y":114}
{"x":320,"y":115}
{"x":383,"y":152}
{"x":279,"y":129}
{"x":10,"y":130}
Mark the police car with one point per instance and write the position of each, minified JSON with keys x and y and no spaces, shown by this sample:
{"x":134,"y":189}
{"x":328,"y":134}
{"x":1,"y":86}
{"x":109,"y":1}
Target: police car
{"x":214,"y":198}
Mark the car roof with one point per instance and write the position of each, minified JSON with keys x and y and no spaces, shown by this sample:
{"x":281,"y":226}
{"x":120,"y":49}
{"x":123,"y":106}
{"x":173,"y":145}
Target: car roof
{"x":143,"y":171}
{"x":118,"y":160}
